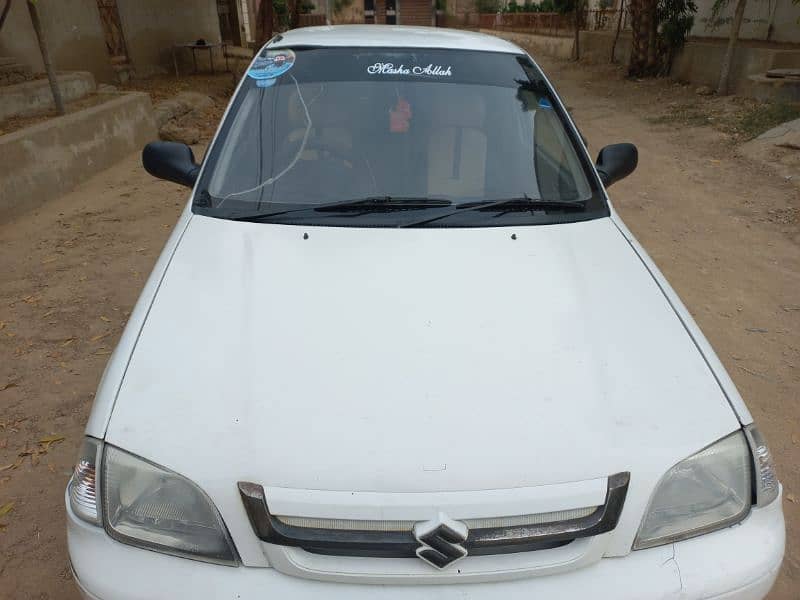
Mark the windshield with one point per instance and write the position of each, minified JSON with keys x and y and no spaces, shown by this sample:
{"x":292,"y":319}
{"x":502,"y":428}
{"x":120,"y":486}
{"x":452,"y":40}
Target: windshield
{"x":410,"y":134}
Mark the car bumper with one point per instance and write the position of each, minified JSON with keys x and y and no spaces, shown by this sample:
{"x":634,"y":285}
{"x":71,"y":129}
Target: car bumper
{"x":737,"y":563}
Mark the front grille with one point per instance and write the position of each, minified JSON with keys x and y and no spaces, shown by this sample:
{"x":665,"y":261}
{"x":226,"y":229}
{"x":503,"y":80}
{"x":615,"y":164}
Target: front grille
{"x":394,"y":526}
{"x":395,"y":539}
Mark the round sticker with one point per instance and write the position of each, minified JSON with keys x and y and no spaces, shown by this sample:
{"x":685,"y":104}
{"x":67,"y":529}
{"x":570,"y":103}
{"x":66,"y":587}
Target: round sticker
{"x":271,"y":65}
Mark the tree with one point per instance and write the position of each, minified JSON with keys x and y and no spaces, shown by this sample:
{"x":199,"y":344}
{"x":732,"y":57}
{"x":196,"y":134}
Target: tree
{"x":4,"y":14}
{"x":577,"y":44}
{"x":660,"y":28}
{"x":264,"y":25}
{"x":48,"y":65}
{"x":619,"y":27}
{"x":725,"y":71}
{"x":643,"y":40}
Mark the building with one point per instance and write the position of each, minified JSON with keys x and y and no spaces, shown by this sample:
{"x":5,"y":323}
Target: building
{"x":386,"y":12}
{"x":109,"y":38}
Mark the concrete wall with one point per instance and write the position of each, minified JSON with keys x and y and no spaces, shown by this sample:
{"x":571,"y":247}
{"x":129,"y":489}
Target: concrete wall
{"x":49,"y":159}
{"x":151,"y":27}
{"x":73,"y":32}
{"x":700,"y":62}
{"x":757,"y":18}
{"x":34,"y":97}
{"x":596,"y":47}
{"x":560,"y":47}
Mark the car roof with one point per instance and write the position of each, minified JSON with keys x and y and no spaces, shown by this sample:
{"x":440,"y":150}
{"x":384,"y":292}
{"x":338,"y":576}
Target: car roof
{"x":392,"y":36}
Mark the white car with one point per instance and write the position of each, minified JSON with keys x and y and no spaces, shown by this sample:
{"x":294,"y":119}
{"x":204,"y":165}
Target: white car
{"x":400,"y":346}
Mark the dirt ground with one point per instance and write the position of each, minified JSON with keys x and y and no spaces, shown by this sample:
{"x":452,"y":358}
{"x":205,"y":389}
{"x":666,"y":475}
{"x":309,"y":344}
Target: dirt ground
{"x":724,"y":232}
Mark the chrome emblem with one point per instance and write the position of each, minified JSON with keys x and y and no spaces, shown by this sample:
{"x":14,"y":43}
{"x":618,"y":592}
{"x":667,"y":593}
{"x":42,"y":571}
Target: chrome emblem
{"x":441,"y":541}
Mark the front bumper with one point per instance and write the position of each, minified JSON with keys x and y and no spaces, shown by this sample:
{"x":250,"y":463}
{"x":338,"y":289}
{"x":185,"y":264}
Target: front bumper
{"x":737,"y":563}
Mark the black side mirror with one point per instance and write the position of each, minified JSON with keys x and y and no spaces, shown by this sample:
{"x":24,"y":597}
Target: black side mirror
{"x":171,"y":161}
{"x":616,"y":162}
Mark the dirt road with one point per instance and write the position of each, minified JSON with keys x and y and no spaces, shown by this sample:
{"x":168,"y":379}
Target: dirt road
{"x":725,"y":234}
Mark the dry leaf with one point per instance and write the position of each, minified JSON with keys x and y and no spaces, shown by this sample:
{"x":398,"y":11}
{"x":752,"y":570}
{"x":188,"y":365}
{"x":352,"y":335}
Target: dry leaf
{"x":51,"y":439}
{"x":7,"y":467}
{"x":49,"y":260}
{"x":104,"y":318}
{"x":6,"y":508}
{"x":103,"y":352}
{"x":97,"y":338}
{"x":68,"y":341}
{"x":791,"y":498}
{"x":47,"y":314}
{"x":10,"y":384}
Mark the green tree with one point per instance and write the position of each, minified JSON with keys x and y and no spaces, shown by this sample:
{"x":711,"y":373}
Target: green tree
{"x":733,"y":40}
{"x":659,"y":29}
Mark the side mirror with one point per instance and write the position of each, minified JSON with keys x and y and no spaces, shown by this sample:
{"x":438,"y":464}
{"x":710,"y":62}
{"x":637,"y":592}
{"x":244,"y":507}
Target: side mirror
{"x":616,"y":162}
{"x":171,"y":161}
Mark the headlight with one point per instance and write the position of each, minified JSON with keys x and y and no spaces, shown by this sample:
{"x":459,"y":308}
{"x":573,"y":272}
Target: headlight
{"x":709,"y":490}
{"x":150,"y":507}
{"x":83,"y":485}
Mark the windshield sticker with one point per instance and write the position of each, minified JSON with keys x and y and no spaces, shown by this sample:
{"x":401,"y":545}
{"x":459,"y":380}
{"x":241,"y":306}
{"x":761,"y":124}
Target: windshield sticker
{"x":274,"y":63}
{"x":545,"y":103}
{"x":431,"y":70}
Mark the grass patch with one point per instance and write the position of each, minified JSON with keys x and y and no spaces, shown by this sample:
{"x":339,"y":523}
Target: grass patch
{"x":763,"y":117}
{"x":689,"y":115}
{"x":742,"y":118}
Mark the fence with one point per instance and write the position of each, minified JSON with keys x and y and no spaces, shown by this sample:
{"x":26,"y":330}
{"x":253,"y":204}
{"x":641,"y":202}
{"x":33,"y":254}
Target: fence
{"x":606,"y":20}
{"x":552,"y":23}
{"x":459,"y":21}
{"x":307,"y":20}
{"x":542,"y":23}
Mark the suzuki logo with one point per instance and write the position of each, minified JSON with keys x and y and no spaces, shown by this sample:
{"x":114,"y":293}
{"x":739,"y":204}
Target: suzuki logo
{"x":441,"y":541}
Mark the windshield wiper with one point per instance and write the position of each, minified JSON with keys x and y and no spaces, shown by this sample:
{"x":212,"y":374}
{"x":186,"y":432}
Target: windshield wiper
{"x":359,"y":206}
{"x":379,"y":203}
{"x":521,"y":203}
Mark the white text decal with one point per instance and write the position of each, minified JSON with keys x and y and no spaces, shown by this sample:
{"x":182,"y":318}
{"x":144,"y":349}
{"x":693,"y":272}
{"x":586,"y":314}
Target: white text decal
{"x":429,"y":71}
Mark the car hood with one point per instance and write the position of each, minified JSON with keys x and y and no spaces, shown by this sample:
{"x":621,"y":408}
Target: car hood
{"x":412,"y":360}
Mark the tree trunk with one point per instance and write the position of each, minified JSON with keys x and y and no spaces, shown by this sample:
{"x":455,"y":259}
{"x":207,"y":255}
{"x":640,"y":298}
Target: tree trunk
{"x":619,"y":27}
{"x":725,"y":73}
{"x":48,"y":66}
{"x":639,"y":35}
{"x":264,"y":22}
{"x":576,"y":51}
{"x":5,"y":13}
{"x":652,"y":39}
{"x":329,"y":12}
{"x":644,"y":29}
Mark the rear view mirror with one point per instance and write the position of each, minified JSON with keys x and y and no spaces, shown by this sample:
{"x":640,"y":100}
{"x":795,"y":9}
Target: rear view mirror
{"x":171,"y":161}
{"x":616,"y":162}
